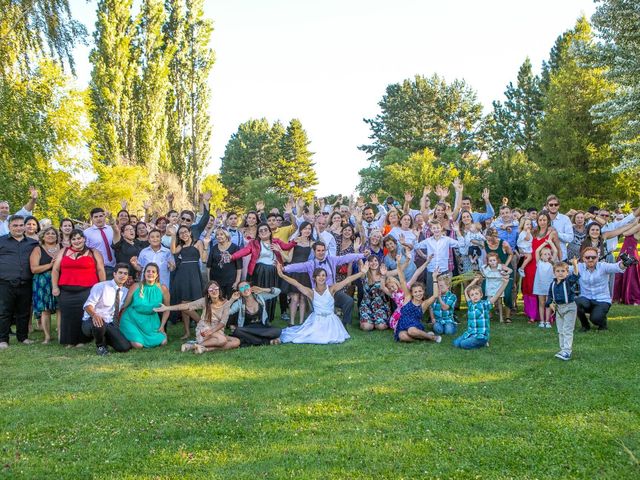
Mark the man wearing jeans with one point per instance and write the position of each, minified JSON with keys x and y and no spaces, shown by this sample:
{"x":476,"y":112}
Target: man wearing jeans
{"x":329,"y":263}
{"x":102,"y":312}
{"x":595,"y":298}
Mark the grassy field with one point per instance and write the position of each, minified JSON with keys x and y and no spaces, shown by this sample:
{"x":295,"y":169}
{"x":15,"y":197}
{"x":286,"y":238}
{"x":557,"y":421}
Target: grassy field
{"x":370,"y":408}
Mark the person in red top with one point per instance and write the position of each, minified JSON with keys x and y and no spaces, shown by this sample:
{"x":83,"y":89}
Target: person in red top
{"x":263,"y":254}
{"x":75,"y":270}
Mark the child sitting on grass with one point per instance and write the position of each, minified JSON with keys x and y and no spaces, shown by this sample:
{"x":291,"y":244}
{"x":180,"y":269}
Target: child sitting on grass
{"x":442,"y":309}
{"x":410,"y":327}
{"x":561,"y":300}
{"x":477,"y":334}
{"x":493,"y":273}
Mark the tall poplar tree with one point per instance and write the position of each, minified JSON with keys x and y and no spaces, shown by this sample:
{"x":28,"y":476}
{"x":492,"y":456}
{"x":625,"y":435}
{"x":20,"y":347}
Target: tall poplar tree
{"x":293,"y":172}
{"x":177,"y":98}
{"x":112,"y":82}
{"x":151,"y":90}
{"x":200,"y":59}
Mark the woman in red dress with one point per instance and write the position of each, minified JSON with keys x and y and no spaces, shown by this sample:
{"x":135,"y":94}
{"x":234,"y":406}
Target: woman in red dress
{"x":543,"y":231}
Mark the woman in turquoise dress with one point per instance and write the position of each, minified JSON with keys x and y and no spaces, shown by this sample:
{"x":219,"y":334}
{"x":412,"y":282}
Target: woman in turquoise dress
{"x":139,"y":323}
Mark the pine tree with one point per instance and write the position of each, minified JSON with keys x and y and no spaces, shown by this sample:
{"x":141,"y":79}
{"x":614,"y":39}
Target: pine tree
{"x":151,"y":90}
{"x":618,"y":24}
{"x":250,"y":153}
{"x":514,"y":124}
{"x":293,"y":172}
{"x":576,"y":156}
{"x":112,"y":82}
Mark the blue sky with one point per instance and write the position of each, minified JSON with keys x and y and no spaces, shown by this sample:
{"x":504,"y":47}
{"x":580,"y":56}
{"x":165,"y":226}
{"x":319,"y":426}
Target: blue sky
{"x":328,"y":62}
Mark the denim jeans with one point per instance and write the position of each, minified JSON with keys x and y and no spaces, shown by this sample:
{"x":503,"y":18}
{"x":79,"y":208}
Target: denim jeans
{"x":469,"y":343}
{"x":444,"y":328}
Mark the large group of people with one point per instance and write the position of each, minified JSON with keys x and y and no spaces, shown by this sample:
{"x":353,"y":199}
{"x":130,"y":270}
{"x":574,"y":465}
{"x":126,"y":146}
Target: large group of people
{"x":122,"y":280}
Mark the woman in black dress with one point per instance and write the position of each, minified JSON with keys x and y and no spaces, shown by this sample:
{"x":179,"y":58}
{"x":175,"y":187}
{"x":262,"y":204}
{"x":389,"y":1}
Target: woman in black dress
{"x":299,"y":254}
{"x":126,"y":246}
{"x":187,"y":284}
{"x":227,"y":275}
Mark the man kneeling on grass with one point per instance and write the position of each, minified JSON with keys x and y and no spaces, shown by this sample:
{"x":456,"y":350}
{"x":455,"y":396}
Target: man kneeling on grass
{"x":102,"y":312}
{"x":477,"y":334}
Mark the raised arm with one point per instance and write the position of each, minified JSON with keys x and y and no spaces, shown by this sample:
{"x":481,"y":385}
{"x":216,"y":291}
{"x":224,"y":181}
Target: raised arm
{"x":195,"y":305}
{"x":364,"y":268}
{"x":436,"y":292}
{"x":473,"y":283}
{"x":498,"y":294}
{"x":619,"y":231}
{"x":306,"y":291}
{"x":419,"y":271}
{"x":403,"y":283}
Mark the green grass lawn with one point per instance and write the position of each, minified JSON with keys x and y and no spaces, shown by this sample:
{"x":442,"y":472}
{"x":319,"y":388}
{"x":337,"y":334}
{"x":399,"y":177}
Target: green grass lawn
{"x":370,"y":408}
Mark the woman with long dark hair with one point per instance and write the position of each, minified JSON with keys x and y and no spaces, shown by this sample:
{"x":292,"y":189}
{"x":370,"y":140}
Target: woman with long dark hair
{"x":263,"y":253}
{"x":187,"y":284}
{"x":41,"y":262}
{"x":75,"y":270}
{"x":300,"y":253}
{"x":215,"y":313}
{"x":66,"y":227}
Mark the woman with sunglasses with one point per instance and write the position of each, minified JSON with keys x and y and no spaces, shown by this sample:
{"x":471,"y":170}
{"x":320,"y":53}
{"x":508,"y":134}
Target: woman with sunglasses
{"x":263,"y":253}
{"x":210,"y":329}
{"x":187,"y":283}
{"x":254,"y":323}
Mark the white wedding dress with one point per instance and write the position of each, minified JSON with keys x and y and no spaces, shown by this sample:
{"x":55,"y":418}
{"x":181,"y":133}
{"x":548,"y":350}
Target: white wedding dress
{"x":323,"y":325}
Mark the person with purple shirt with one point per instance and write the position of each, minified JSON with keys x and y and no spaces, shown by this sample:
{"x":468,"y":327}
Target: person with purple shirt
{"x":329,"y":263}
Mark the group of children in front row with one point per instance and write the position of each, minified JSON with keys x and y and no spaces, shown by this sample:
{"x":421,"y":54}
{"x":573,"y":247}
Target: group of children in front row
{"x":553,"y":284}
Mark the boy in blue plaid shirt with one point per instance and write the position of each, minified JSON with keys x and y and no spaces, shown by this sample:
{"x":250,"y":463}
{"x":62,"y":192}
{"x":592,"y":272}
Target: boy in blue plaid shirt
{"x":477,"y":334}
{"x":442,"y":309}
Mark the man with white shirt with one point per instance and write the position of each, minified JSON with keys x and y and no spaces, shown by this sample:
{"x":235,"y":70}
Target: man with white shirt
{"x":25,"y":211}
{"x":158,"y":254}
{"x":438,"y":246}
{"x":325,"y":236}
{"x":561,"y":223}
{"x":102,"y":312}
{"x":100,"y":237}
{"x":604,"y":218}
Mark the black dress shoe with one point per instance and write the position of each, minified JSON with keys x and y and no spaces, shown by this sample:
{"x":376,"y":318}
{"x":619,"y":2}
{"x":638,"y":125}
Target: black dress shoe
{"x":102,"y":351}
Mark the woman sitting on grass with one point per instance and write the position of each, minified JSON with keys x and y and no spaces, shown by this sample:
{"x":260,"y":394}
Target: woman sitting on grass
{"x":410,"y":327}
{"x":477,"y":334}
{"x":323,"y":326}
{"x":254,"y":327}
{"x":210,"y":329}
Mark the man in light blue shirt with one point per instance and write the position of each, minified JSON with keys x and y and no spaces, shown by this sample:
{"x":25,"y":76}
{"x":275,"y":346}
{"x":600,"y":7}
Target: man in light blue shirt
{"x":595,"y":298}
{"x":479,"y":216}
{"x":561,"y":223}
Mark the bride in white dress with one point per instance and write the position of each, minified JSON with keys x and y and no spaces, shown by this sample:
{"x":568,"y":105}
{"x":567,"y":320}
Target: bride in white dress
{"x":323,"y":325}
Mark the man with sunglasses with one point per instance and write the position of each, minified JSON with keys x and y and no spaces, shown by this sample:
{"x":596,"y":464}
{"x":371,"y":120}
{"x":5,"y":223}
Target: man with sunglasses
{"x":561,"y":223}
{"x":187,"y":217}
{"x":595,"y":297}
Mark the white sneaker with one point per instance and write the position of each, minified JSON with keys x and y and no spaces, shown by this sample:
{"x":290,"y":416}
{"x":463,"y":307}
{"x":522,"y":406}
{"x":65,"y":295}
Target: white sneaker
{"x":27,"y":341}
{"x":438,"y":339}
{"x":547,"y":325}
{"x":541,"y":324}
{"x":521,"y":272}
{"x":4,"y":345}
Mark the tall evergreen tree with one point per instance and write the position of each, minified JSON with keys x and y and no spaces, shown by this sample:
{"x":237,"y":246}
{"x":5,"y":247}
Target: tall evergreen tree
{"x":151,"y":90}
{"x":576,"y":152}
{"x":200,"y":59}
{"x":112,"y":82}
{"x":293,"y":172}
{"x":251,"y":153}
{"x":514,"y":124}
{"x":618,"y":24}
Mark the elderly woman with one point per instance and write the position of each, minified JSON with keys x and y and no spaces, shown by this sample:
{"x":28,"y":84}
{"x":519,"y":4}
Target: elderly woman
{"x":254,"y":326}
{"x":595,"y":297}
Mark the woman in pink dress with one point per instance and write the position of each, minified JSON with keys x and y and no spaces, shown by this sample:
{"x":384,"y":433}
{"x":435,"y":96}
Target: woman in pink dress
{"x":626,"y":288}
{"x":543,"y":232}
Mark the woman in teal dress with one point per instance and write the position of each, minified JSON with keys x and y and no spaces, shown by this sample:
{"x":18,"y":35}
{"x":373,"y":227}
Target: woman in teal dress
{"x":139,"y":323}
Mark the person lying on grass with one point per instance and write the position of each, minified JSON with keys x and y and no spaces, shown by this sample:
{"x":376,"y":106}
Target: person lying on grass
{"x":410,"y":327}
{"x":210,"y":329}
{"x":477,"y":334}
